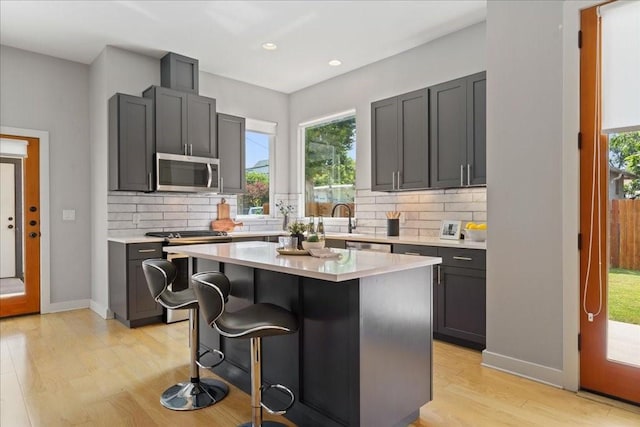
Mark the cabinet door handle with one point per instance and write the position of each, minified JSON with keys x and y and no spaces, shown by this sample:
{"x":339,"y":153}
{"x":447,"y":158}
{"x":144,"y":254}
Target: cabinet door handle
{"x":411,"y":253}
{"x":468,"y":174}
{"x":463,"y":258}
{"x":461,"y":175}
{"x":398,"y":180}
{"x":221,"y":184}
{"x":150,"y":183}
{"x":439,"y":281}
{"x":209,"y":175}
{"x":143,"y":251}
{"x":393,"y":180}
{"x":191,"y":149}
{"x":185,"y":149}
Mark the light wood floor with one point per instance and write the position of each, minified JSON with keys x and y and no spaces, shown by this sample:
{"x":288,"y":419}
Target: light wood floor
{"x":74,"y":368}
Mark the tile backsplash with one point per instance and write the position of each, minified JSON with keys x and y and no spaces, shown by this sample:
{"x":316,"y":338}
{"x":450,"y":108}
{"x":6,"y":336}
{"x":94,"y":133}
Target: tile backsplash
{"x":421,"y":211}
{"x":133,"y":214}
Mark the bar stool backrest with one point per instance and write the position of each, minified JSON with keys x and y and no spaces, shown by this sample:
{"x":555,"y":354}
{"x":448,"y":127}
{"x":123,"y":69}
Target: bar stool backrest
{"x":212,"y":290}
{"x":159,"y":273}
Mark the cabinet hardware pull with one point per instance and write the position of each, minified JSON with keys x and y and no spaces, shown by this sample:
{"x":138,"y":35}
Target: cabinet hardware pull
{"x":221,"y":185}
{"x":191,"y":149}
{"x":439,"y":275}
{"x":393,"y":180}
{"x":461,"y":175}
{"x":463,"y":258}
{"x":399,"y":180}
{"x":150,"y":183}
{"x":185,"y":149}
{"x":468,"y":174}
{"x":411,"y":253}
{"x":142,"y":251}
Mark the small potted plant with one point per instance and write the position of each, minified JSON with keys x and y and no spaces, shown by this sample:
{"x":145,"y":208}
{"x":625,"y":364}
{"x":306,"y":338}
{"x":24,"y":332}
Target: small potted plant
{"x":297,"y":229}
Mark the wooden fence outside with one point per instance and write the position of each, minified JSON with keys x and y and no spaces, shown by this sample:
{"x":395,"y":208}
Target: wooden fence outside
{"x":624,"y":239}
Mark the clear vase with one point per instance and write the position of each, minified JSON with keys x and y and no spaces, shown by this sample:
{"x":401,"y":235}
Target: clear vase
{"x":285,"y":222}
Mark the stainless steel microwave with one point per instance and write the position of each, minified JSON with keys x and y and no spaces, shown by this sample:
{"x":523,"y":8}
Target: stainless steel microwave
{"x":187,"y":174}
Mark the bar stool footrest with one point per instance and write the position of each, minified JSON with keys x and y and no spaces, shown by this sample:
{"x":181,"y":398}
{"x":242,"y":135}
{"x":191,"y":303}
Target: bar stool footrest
{"x":218,"y":352}
{"x":285,"y":390}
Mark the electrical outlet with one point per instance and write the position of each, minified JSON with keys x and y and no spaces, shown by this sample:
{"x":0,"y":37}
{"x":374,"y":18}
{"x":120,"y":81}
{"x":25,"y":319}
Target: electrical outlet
{"x":136,"y":218}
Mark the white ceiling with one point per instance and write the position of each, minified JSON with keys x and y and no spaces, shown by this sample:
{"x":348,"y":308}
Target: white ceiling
{"x":226,"y":36}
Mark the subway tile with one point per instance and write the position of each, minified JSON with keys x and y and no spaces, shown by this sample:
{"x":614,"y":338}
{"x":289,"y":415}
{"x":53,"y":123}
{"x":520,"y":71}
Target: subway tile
{"x":363,"y":200}
{"x":376,"y":207}
{"x":184,"y":200}
{"x":408,"y":198}
{"x":479,"y":197}
{"x":461,"y":207}
{"x":173,"y":224}
{"x":149,"y":216}
{"x":432,"y":198}
{"x":114,"y":225}
{"x":420,"y":207}
{"x":199,"y":215}
{"x":161,"y":208}
{"x":463,"y":216}
{"x":381,"y":199}
{"x":118,"y":207}
{"x":479,"y":216}
{"x":175,"y":215}
{"x":120,"y":216}
{"x":138,"y":200}
{"x":458,"y":197}
{"x":205,"y":224}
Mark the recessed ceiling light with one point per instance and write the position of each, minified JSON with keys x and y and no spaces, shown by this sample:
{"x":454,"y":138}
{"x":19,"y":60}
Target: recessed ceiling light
{"x":335,"y":62}
{"x":269,"y":46}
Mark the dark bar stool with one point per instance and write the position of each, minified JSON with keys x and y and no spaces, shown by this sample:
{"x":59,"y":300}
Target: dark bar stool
{"x":254,"y":322}
{"x":198,"y":392}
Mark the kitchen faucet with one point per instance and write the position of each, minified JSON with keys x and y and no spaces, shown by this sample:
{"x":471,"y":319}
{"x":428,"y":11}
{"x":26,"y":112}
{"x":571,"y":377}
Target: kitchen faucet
{"x":350,"y":227}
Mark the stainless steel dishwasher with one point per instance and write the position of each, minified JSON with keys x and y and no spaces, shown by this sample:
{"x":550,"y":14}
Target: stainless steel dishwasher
{"x":367,"y":246}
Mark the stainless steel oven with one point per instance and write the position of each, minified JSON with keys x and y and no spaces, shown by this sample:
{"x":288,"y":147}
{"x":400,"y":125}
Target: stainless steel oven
{"x":176,"y":172}
{"x":181,"y":261}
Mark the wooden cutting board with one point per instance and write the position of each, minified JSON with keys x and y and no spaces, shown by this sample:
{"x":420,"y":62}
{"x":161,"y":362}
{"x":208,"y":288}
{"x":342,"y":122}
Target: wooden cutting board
{"x":224,"y":222}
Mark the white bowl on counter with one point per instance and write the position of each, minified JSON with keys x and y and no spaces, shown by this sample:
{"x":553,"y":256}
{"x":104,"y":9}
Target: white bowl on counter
{"x":475,"y":235}
{"x":306,"y":245}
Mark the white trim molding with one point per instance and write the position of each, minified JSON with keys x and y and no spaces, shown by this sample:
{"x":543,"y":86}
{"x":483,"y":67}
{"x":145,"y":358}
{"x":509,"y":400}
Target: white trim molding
{"x":522,"y":368}
{"x":45,"y":226}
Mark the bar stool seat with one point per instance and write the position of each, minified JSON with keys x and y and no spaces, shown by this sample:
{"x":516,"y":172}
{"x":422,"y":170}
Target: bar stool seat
{"x":197,"y":393}
{"x":253,"y":322}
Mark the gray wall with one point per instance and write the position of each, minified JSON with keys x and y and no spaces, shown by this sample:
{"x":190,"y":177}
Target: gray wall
{"x":525,"y":153}
{"x":114,"y":70}
{"x":45,"y":93}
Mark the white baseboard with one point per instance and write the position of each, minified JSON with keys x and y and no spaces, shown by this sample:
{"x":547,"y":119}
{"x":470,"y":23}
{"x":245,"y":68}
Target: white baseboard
{"x":65,"y":306}
{"x":522,"y":368}
{"x":101,"y":310}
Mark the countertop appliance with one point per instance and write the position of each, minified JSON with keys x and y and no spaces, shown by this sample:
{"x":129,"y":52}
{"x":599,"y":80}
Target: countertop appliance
{"x":181,"y":261}
{"x":176,"y":172}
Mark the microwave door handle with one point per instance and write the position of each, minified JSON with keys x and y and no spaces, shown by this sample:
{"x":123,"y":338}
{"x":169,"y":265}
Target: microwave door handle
{"x":210,"y":173}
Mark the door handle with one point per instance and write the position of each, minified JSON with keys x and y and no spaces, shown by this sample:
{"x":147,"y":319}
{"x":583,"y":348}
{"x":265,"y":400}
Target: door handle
{"x":463,"y":258}
{"x":143,"y":251}
{"x":209,"y":175}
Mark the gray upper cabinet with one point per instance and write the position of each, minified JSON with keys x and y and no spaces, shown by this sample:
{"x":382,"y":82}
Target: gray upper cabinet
{"x":131,"y":145}
{"x":184,"y":123}
{"x":458,"y":132}
{"x":201,"y":126}
{"x":384,"y":144}
{"x":400,"y":145}
{"x":231,"y":151}
{"x":179,"y":72}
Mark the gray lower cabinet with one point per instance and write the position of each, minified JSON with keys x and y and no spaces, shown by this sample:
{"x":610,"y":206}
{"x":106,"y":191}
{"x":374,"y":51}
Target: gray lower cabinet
{"x":129,"y":296}
{"x":184,"y":123}
{"x":458,"y":132}
{"x":399,"y":141}
{"x":131,"y":144}
{"x":459,"y":294}
{"x":231,"y":152}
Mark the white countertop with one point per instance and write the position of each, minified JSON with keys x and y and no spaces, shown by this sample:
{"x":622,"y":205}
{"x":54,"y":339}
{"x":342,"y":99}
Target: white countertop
{"x":263,"y":255}
{"x":355,"y":237}
{"x":408,"y":240}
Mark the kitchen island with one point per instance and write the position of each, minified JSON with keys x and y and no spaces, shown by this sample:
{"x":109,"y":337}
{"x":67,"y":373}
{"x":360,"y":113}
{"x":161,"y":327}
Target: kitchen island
{"x":362,"y":355}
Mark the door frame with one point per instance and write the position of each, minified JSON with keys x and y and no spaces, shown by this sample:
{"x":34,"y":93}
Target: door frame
{"x":45,"y":226}
{"x":19,"y":225}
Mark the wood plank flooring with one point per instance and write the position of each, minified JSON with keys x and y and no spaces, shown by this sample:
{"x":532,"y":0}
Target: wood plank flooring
{"x":76,"y":369}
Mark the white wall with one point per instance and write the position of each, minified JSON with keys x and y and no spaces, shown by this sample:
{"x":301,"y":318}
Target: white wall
{"x":525,"y":201}
{"x":454,"y":55}
{"x":45,"y":93}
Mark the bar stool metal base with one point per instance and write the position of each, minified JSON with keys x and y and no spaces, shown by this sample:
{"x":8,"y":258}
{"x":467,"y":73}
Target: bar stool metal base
{"x":194,"y":395}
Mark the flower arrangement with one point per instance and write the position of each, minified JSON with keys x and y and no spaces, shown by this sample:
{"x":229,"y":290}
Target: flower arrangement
{"x":284,"y":209}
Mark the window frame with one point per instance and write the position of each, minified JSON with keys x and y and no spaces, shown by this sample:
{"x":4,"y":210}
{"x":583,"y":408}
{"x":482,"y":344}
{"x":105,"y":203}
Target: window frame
{"x":270,"y":129}
{"x":301,"y":151}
